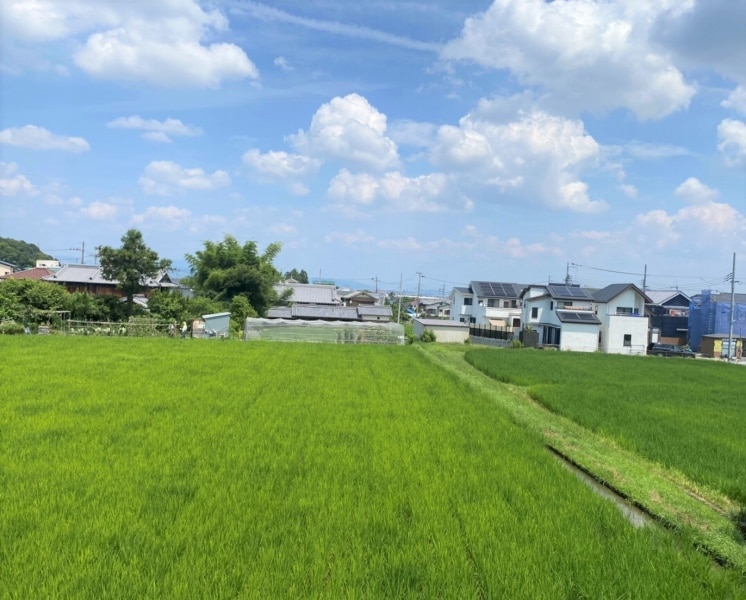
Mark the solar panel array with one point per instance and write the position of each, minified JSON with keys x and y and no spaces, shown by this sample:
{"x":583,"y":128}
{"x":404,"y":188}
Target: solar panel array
{"x":495,"y":289}
{"x":567,"y":316}
{"x":568,"y":291}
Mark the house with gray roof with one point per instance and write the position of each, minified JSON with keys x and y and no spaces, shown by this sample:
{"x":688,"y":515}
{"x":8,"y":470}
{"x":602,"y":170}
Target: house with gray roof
{"x":90,"y":280}
{"x":668,"y":314}
{"x":570,"y":317}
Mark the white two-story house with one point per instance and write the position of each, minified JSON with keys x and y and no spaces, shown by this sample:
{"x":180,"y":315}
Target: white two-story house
{"x":624,"y":325}
{"x":569,"y":317}
{"x":488,"y":304}
{"x":562,"y":315}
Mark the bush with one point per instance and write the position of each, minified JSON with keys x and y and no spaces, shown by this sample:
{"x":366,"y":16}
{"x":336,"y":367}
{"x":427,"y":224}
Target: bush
{"x":11,"y":328}
{"x":428,"y":335}
{"x":515,"y":344}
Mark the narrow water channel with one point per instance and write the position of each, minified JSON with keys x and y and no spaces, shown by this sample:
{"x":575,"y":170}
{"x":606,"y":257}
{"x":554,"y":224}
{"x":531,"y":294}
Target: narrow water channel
{"x":634,"y":515}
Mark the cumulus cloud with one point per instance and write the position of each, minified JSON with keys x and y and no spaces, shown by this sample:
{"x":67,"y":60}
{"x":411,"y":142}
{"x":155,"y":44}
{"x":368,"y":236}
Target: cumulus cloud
{"x":736,"y":100}
{"x":289,"y":169}
{"x":161,"y":176}
{"x":594,"y":56}
{"x":732,"y":142}
{"x":351,"y":130}
{"x":351,"y":192}
{"x":170,"y":215}
{"x":160,"y":43}
{"x":39,"y":138}
{"x":154,"y":130}
{"x":701,"y":215}
{"x":283,"y":63}
{"x":694,"y":191}
{"x":536,"y":152}
{"x":12,"y":183}
{"x":100,"y":211}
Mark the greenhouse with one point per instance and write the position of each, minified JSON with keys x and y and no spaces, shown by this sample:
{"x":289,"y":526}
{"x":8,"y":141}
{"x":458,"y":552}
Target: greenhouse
{"x":331,"y":332}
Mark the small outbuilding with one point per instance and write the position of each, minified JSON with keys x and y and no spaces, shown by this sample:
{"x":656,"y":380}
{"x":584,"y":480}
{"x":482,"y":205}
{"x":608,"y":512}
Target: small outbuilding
{"x":217,"y":325}
{"x":445,"y":330}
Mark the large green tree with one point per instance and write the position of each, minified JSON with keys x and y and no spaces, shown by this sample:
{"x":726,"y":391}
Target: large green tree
{"x":30,"y":302}
{"x":224,"y":270}
{"x":131,"y":264}
{"x":299,"y":276}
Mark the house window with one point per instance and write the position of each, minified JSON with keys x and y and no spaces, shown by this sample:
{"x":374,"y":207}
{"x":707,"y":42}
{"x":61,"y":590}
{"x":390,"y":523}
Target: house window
{"x":516,"y":322}
{"x":491,"y":303}
{"x":467,"y":301}
{"x":472,"y":319}
{"x":535,"y":312}
{"x":551,"y":305}
{"x":627,"y":339}
{"x":624,"y":310}
{"x":514,"y":304}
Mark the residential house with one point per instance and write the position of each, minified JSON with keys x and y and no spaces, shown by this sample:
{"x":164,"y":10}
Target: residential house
{"x":435,"y":308}
{"x":357,"y":298}
{"x":624,"y":325}
{"x":90,"y":280}
{"x":668,"y":314}
{"x":35,"y":273}
{"x":488,"y":303}
{"x":6,"y":268}
{"x":309,"y":293}
{"x":562,"y":316}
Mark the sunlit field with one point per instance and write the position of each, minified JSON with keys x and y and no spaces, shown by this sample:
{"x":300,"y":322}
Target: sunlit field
{"x":690,"y":415}
{"x":156,"y":468}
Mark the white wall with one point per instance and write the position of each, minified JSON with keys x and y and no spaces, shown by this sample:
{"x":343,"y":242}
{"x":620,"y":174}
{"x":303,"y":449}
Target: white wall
{"x":579,"y":338}
{"x":446,"y":334}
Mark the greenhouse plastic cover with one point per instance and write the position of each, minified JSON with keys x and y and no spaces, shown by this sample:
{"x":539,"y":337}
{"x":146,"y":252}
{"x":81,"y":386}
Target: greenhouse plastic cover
{"x":332,"y":332}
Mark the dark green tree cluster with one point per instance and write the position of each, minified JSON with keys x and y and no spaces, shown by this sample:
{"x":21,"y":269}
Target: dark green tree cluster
{"x":224,"y":276}
{"x":299,"y":276}
{"x":21,"y":254}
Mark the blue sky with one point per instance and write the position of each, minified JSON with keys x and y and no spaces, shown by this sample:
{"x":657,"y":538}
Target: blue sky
{"x":514,"y":140}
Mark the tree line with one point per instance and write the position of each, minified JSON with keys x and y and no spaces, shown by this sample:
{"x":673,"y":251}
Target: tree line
{"x":225,"y":276}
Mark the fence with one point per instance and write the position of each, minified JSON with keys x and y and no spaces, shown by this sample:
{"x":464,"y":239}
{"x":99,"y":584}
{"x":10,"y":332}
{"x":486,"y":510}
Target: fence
{"x":490,"y":332}
{"x":133,"y":328}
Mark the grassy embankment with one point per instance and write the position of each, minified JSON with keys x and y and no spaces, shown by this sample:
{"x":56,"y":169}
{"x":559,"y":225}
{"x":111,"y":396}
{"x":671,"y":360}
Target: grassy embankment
{"x":665,"y":433}
{"x":135,"y":468}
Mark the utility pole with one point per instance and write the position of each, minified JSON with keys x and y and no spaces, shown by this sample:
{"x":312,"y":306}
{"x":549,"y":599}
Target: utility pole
{"x":731,"y":354}
{"x":401,"y":278}
{"x":375,"y":278}
{"x":82,"y":254}
{"x":417,"y":306}
{"x":645,"y":280}
{"x":568,"y":279}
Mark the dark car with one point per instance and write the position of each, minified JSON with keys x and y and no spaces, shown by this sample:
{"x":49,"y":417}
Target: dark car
{"x":671,"y":350}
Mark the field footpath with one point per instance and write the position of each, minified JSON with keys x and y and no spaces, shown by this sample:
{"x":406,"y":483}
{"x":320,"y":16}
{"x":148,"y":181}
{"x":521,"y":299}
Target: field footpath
{"x":701,"y":515}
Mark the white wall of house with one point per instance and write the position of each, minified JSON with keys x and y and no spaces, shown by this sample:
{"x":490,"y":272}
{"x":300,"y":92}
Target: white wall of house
{"x":446,"y":332}
{"x":578,"y":337}
{"x":624,"y":328}
{"x":461,"y":308}
{"x":483,"y":313}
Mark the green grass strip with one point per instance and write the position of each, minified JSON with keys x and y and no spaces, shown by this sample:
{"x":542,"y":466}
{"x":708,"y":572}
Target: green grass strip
{"x":701,"y":514}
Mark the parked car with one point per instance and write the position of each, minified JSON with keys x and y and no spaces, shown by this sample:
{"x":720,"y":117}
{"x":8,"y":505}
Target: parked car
{"x":671,"y":350}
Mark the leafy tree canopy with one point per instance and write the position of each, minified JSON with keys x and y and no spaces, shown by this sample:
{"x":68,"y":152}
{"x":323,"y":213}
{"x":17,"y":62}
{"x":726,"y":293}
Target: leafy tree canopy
{"x":28,"y":301}
{"x":226,"y":269}
{"x":300,"y":276}
{"x":20,"y":253}
{"x":131,"y":264}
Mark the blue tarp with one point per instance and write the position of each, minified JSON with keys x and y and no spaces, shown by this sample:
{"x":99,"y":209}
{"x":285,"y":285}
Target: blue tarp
{"x":710,"y":313}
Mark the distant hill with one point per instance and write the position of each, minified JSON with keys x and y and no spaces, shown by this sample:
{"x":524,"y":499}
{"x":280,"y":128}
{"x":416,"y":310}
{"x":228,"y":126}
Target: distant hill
{"x":20,"y":253}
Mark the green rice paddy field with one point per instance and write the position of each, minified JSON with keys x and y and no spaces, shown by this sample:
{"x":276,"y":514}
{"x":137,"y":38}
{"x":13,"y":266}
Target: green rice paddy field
{"x":688,"y":415}
{"x":138,"y":468}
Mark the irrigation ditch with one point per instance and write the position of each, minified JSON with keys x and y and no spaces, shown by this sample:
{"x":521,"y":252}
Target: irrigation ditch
{"x":643,"y":490}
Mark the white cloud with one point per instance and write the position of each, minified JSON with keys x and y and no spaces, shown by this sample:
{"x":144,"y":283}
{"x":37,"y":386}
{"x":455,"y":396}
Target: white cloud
{"x":171,"y":215}
{"x":426,"y":193}
{"x":161,"y":43}
{"x":732,"y":142}
{"x":289,"y":169}
{"x":283,"y":229}
{"x":100,"y":211}
{"x":12,"y":183}
{"x":283,"y":63}
{"x":155,"y":131}
{"x":595,"y":56}
{"x":629,"y":190}
{"x":412,"y":133}
{"x":537,"y":153}
{"x":38,"y":138}
{"x":694,"y":191}
{"x":736,"y":100}
{"x":161,"y":176}
{"x":650,"y":151}
{"x":351,"y":130}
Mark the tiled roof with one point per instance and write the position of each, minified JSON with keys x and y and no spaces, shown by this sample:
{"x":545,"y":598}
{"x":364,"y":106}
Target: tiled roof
{"x":613,"y":290}
{"x":36,"y":273}
{"x":309,"y":293}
